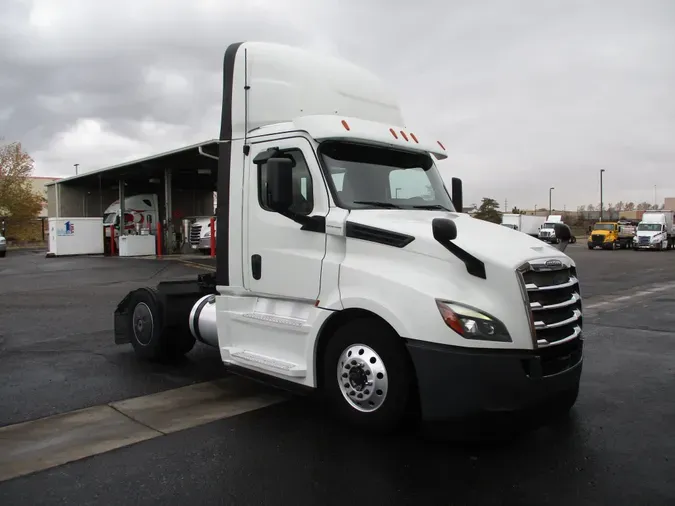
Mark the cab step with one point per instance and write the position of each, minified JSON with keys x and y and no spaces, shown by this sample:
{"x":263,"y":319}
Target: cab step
{"x":248,"y":358}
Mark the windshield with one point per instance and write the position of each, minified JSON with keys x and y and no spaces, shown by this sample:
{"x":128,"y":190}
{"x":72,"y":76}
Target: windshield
{"x":109,"y":218}
{"x":549,"y":225}
{"x":604,"y":226}
{"x":369,"y":177}
{"x":649,"y":227}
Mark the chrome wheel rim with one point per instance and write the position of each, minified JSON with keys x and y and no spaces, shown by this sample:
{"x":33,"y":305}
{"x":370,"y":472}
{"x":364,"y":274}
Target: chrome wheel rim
{"x":362,"y":378}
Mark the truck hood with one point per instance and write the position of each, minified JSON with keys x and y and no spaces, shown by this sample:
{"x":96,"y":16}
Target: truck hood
{"x":492,"y":243}
{"x":648,"y":233}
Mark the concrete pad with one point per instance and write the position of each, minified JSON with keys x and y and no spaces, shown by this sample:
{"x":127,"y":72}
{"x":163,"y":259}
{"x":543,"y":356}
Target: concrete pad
{"x":40,"y":444}
{"x":198,"y":404}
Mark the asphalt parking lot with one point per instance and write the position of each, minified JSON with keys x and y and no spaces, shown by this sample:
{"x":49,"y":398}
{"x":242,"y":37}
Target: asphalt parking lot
{"x":57,"y":356}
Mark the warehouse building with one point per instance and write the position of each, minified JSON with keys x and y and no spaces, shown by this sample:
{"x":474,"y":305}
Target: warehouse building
{"x":174,"y":186}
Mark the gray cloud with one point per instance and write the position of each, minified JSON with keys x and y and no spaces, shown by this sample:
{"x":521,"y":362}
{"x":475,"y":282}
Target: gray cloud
{"x":525,"y":94}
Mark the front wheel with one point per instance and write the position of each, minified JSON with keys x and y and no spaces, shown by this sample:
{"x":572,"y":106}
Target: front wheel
{"x":3,"y":253}
{"x":367,"y":375}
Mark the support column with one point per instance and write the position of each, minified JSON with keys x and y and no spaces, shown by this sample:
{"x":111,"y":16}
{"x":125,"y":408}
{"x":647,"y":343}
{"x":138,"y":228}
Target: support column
{"x":168,"y":212}
{"x":122,"y":208}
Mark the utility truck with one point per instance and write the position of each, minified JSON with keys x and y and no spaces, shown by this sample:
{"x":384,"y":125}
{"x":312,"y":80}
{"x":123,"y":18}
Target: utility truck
{"x":528,"y":224}
{"x":655,"y":231}
{"x":611,"y":235}
{"x":343,"y":265}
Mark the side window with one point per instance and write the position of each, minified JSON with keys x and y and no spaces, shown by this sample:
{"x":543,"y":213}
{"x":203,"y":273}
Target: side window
{"x":410,"y":184}
{"x":303,"y":197}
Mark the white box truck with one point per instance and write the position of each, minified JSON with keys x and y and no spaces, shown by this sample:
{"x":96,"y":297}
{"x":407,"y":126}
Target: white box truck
{"x":655,"y":231}
{"x":343,"y":265}
{"x":526,"y":223}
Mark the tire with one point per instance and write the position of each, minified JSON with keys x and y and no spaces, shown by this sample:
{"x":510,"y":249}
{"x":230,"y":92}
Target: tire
{"x":148,"y":335}
{"x":590,"y":246}
{"x":383,"y":408}
{"x":3,"y":254}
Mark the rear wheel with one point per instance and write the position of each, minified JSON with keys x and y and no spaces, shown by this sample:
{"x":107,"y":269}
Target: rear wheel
{"x":3,"y":253}
{"x":367,"y":375}
{"x":151,"y":339}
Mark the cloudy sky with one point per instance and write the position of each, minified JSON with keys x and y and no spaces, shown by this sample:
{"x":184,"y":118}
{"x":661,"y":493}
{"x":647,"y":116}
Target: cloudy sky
{"x":526,"y":94}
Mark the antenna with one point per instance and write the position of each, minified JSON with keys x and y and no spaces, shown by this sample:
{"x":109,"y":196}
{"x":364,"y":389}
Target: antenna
{"x":246,"y":90}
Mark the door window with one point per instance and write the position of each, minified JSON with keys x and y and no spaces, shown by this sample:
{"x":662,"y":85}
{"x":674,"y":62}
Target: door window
{"x":303,"y":198}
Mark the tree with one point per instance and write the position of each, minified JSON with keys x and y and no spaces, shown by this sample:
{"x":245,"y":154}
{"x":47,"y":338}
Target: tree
{"x":17,"y":198}
{"x":590,"y":207}
{"x":489,"y":211}
{"x":515,"y":210}
{"x":620,"y":205}
{"x":643,"y":206}
{"x":581,"y":209}
{"x":610,"y":207}
{"x":630,"y":206}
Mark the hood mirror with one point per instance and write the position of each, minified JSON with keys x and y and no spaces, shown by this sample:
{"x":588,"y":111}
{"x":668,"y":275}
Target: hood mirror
{"x":564,"y":234}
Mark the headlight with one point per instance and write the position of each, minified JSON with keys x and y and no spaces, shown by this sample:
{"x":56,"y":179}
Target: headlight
{"x":470,"y":323}
{"x":656,"y":238}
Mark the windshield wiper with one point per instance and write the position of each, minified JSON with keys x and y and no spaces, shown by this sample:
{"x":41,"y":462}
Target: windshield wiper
{"x":431,"y":206}
{"x":385,"y":205}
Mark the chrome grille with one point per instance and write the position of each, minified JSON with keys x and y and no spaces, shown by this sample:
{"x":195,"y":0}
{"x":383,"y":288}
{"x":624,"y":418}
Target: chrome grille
{"x":643,"y":240}
{"x":598,"y":238}
{"x":195,"y":232}
{"x":554,"y":301}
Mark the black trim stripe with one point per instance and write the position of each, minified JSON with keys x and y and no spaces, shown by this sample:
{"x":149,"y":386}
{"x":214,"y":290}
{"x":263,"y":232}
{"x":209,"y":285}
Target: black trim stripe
{"x":224,"y":156}
{"x":378,"y":235}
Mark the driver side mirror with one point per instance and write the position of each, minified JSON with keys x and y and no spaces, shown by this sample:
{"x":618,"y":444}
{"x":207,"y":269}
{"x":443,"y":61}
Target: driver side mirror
{"x":564,"y":233}
{"x":280,"y":183}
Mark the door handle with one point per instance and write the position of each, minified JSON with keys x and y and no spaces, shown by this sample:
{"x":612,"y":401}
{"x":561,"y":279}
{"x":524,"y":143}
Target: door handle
{"x":256,"y":266}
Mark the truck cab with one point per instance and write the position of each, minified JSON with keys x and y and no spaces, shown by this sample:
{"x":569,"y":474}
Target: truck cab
{"x":610,"y":235}
{"x":547,"y":229}
{"x":200,"y":234}
{"x":140,"y":212}
{"x":655,"y":231}
{"x":344,"y":264}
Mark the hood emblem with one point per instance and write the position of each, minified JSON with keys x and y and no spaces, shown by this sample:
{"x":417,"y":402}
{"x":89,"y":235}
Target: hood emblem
{"x":553,"y":263}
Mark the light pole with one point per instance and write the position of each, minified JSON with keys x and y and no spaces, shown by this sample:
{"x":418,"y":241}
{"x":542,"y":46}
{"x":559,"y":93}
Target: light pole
{"x":550,"y":207}
{"x":601,"y":204}
{"x":76,"y":166}
{"x":655,"y":204}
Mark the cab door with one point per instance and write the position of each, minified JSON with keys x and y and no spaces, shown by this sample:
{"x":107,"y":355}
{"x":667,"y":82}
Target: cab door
{"x":281,"y":259}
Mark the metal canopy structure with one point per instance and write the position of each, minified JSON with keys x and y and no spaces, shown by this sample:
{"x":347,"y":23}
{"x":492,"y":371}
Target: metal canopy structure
{"x":192,"y":168}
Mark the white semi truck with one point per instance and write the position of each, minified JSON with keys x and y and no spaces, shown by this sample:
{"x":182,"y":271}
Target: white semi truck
{"x":655,"y":231}
{"x":141,"y":210}
{"x":525,"y":223}
{"x":343,"y":266}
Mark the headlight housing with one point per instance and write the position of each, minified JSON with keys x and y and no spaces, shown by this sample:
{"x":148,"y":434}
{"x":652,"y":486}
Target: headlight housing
{"x":471,"y":323}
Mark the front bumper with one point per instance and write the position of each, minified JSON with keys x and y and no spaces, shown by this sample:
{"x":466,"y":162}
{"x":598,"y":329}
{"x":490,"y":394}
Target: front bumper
{"x":649,"y":245}
{"x":458,"y":383}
